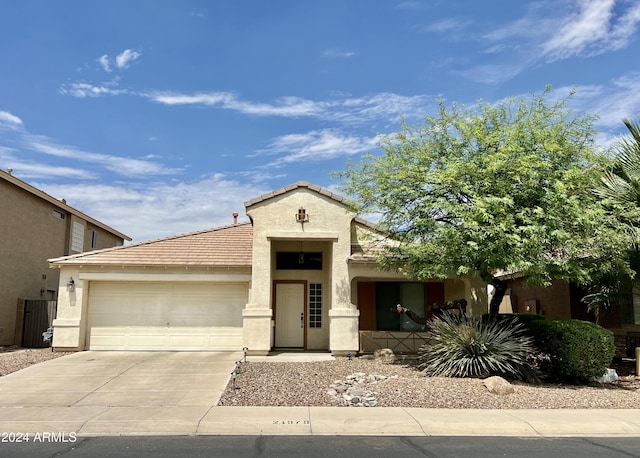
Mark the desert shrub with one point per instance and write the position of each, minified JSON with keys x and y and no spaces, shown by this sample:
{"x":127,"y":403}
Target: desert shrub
{"x":578,"y":350}
{"x":462,"y":346}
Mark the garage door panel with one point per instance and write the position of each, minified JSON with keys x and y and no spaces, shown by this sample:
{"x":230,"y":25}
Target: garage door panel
{"x":146,"y":340}
{"x":177,"y":316}
{"x":108,"y":339}
{"x":175,"y":339}
{"x":187,"y":341}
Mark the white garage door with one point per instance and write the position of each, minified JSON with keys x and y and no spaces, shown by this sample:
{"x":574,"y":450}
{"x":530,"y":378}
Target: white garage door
{"x":166,"y":316}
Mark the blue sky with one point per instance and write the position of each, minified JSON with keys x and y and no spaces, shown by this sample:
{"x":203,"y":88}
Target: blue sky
{"x":163,"y":117}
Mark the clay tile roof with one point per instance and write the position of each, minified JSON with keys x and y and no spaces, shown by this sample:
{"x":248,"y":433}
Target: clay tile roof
{"x":228,"y":246}
{"x":292,"y":187}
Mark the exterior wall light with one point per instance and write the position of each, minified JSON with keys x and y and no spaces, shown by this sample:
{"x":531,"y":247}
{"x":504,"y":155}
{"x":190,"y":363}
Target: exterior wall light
{"x":71,"y":285}
{"x":302,"y":216}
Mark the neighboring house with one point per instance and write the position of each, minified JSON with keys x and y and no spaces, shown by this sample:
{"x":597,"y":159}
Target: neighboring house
{"x":563,"y":300}
{"x":35,"y":227}
{"x":300,"y":275}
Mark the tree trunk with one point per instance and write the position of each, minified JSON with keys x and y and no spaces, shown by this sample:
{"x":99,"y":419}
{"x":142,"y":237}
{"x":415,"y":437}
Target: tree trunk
{"x":500,"y":288}
{"x":411,"y":315}
{"x":457,"y":304}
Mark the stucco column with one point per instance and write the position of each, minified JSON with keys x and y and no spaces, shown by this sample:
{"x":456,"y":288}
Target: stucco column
{"x":257,"y":324}
{"x":69,"y":327}
{"x":343,"y":315}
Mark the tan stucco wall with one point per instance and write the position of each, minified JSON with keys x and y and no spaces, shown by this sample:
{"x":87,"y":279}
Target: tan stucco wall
{"x":30,"y":235}
{"x":471,"y":288}
{"x":274,"y":220}
{"x":104,"y":239}
{"x":553,"y":301}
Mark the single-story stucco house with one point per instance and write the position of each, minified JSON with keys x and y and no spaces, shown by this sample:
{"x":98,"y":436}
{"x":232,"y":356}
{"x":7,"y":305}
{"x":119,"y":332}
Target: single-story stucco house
{"x":299,"y":275}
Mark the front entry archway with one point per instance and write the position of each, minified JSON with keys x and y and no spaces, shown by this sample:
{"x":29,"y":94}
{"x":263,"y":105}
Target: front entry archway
{"x":290,"y":304}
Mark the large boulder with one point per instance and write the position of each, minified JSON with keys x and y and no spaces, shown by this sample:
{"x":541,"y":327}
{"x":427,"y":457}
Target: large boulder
{"x":385,"y":355}
{"x":498,"y":385}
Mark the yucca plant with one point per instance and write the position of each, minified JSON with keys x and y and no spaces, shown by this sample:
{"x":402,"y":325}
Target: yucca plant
{"x":462,"y":346}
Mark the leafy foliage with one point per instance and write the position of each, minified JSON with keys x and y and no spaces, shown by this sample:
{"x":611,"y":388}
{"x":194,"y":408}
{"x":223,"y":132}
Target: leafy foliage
{"x":621,"y":183}
{"x":578,"y":350}
{"x":505,"y":187}
{"x":462,"y":346}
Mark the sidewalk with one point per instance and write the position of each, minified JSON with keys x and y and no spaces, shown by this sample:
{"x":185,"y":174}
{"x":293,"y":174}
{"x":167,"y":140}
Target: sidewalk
{"x":146,"y":393}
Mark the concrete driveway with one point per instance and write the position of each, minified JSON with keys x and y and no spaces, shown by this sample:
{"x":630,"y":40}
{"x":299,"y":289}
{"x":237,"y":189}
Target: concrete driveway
{"x":116,"y":392}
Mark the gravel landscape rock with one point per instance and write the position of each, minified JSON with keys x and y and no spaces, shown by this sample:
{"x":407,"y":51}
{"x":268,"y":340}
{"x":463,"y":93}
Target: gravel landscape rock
{"x":14,"y":358}
{"x":401,"y":384}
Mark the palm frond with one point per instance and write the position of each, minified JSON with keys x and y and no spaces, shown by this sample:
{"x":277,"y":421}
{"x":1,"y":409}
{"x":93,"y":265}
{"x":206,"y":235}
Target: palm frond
{"x":622,"y":183}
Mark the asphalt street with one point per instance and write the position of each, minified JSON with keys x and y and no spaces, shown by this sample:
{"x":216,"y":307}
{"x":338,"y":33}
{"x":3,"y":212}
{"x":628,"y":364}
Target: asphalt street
{"x":323,"y":446}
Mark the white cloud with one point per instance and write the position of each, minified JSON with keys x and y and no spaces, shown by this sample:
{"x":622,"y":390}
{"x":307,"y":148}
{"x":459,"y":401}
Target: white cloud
{"x":365,"y":110}
{"x":577,"y":28}
{"x":612,"y":102}
{"x":10,"y":121}
{"x":120,"y":62}
{"x":125,"y":57}
{"x":29,"y":170}
{"x":317,"y":145}
{"x":120,"y":165}
{"x":535,"y":26}
{"x":20,"y":143}
{"x":287,"y":106}
{"x":147,"y":211}
{"x":104,"y":62}
{"x":385,"y":106}
{"x":205,"y":98}
{"x":82,"y":90}
{"x":352,"y":110}
{"x":593,"y":29}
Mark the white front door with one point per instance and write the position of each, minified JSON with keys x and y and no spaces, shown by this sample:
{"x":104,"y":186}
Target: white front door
{"x":290,"y":315}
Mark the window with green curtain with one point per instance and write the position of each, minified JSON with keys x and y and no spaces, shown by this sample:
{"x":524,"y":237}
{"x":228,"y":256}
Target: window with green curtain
{"x":390,"y":294}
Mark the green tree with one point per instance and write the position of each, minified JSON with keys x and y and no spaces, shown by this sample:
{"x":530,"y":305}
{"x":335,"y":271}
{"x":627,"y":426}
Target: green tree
{"x":489,"y":189}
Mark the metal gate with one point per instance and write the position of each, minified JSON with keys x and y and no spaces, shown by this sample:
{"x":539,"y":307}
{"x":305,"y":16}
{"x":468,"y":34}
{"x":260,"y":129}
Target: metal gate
{"x":38,"y":317}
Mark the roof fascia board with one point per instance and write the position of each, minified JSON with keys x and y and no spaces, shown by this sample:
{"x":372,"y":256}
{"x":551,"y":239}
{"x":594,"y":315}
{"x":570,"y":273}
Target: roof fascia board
{"x":150,"y":277}
{"x":293,"y":187}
